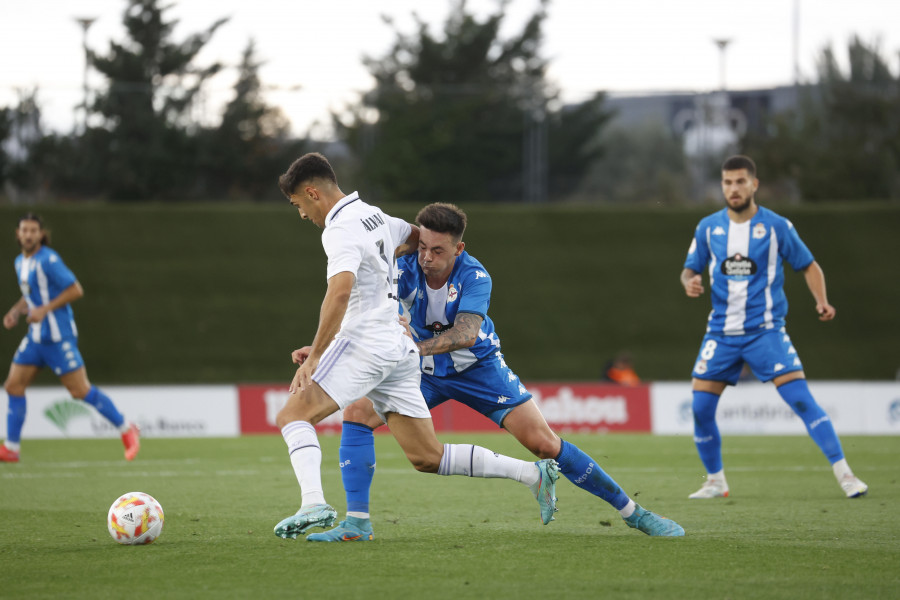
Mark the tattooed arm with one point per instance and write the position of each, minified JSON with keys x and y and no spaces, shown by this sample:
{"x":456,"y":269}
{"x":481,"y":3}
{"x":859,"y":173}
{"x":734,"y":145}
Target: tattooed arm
{"x":463,"y":334}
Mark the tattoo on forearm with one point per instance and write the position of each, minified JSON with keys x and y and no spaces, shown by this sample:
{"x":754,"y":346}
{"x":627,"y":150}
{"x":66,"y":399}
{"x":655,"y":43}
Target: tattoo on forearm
{"x":461,"y":335}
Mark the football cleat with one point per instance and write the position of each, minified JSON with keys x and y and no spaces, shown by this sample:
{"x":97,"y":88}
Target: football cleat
{"x":652,"y":524}
{"x":350,"y":530}
{"x":314,"y":515}
{"x":852,"y":486}
{"x":713,"y":488}
{"x":132,"y":441}
{"x":7,"y":455}
{"x":545,"y":491}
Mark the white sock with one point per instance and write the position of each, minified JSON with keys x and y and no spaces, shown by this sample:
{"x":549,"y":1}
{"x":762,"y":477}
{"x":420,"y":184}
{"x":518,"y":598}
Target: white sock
{"x":475,"y":461}
{"x":306,"y":458}
{"x":13,"y":446}
{"x":125,"y":426}
{"x":841,"y":468}
{"x":628,"y":510}
{"x":357,"y":514}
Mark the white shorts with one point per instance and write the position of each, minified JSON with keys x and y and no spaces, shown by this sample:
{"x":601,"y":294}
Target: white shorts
{"x":347,"y":372}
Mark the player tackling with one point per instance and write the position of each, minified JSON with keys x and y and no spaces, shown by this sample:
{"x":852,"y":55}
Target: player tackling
{"x":361,"y":349}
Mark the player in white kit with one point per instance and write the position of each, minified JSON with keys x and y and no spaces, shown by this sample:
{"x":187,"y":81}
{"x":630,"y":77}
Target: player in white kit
{"x":361,"y":349}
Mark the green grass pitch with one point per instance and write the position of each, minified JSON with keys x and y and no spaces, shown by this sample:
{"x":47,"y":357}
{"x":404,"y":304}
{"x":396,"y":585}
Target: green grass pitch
{"x":786,"y":531}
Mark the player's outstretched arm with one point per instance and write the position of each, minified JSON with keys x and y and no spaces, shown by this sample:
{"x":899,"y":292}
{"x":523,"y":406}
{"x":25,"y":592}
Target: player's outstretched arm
{"x":333,"y":308}
{"x":463,"y":334}
{"x":692,"y":282}
{"x":815,"y":281}
{"x":410,"y":245}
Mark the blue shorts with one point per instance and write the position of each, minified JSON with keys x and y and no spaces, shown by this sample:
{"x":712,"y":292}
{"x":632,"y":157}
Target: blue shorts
{"x":488,"y":387}
{"x":768,"y":355}
{"x":62,"y":357}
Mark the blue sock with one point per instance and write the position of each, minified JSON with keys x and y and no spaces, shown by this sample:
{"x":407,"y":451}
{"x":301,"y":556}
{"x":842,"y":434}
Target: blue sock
{"x":585,"y":472}
{"x":796,"y":393}
{"x":357,"y":456}
{"x":104,"y":406}
{"x":706,"y":432}
{"x":15,"y":418}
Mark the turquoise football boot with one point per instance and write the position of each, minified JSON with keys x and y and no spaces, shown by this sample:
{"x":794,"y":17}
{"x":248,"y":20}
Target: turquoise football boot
{"x":352,"y":529}
{"x":314,"y":515}
{"x":652,"y":524}
{"x":545,"y":490}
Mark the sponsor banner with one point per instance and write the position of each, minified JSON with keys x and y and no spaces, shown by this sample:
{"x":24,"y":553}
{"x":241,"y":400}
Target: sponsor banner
{"x":571,"y":407}
{"x":258,"y":405}
{"x":567,"y":407}
{"x":855,"y":408}
{"x":160,"y":411}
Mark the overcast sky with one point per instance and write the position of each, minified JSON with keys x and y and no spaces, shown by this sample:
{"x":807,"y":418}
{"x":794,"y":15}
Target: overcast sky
{"x":313,"y":49}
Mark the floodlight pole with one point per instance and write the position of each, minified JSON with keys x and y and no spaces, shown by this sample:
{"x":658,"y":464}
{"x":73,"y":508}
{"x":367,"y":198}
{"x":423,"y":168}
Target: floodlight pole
{"x":722,"y":43}
{"x":85,"y":23}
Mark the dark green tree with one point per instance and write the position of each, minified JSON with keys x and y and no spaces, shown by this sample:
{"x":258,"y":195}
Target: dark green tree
{"x":251,"y":143}
{"x":466,"y":115}
{"x":152,"y":85}
{"x":5,"y":131}
{"x":843,"y":141}
{"x":23,"y":157}
{"x":649,"y":167}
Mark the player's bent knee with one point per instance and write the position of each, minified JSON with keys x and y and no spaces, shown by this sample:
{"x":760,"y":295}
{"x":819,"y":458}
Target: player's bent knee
{"x":362,"y":412}
{"x":546,"y":448}
{"x":425,"y":463}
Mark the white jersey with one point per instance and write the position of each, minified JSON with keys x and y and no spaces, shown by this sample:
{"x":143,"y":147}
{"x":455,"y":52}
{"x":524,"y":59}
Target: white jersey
{"x":359,"y":238}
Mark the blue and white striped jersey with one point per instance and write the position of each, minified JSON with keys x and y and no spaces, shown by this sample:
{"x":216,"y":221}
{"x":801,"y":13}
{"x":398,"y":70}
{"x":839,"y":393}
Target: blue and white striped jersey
{"x":42,"y":277}
{"x":746,"y":275}
{"x":467,"y":290}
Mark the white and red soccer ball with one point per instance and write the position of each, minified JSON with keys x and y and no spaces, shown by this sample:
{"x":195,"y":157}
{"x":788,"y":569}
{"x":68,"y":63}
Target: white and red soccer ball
{"x":135,"y":518}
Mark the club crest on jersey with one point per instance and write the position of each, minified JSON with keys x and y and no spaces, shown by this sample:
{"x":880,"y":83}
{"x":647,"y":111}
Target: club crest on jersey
{"x":451,"y":294}
{"x":437,"y":328}
{"x":738,"y":267}
{"x":759,"y":231}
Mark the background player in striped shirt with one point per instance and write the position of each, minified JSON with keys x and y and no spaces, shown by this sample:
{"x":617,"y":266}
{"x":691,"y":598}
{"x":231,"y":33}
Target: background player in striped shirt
{"x":743,"y":247}
{"x":48,"y":288}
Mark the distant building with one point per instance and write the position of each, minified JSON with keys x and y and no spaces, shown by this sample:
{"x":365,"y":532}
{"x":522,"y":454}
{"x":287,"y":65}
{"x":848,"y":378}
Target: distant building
{"x":707,"y":121}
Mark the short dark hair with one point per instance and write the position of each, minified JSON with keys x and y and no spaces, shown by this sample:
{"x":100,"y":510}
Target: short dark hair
{"x":32,"y":216}
{"x":443,"y":218}
{"x":306,"y":168}
{"x":739,"y":161}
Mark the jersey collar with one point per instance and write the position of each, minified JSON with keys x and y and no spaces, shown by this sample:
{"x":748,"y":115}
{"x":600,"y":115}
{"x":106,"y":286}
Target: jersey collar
{"x":333,"y":213}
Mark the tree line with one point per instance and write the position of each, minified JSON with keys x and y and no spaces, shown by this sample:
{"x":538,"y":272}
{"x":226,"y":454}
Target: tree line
{"x":465,"y":113}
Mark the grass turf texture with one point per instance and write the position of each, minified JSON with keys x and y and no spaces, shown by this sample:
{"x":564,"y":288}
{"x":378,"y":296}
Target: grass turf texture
{"x":786,"y":532}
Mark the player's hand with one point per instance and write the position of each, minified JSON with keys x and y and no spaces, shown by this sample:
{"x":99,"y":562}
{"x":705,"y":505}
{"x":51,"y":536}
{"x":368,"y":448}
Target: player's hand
{"x":37,"y":314}
{"x":404,"y":321}
{"x":694,"y":286}
{"x":303,"y":377}
{"x":299,"y":356}
{"x":826,"y":311}
{"x":10,"y":319}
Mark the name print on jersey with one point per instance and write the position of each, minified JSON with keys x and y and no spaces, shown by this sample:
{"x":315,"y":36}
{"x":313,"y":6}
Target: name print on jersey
{"x":372,"y":222}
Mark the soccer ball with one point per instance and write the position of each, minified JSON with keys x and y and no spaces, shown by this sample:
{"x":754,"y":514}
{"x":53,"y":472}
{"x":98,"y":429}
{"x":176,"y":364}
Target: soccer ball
{"x":135,"y":518}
